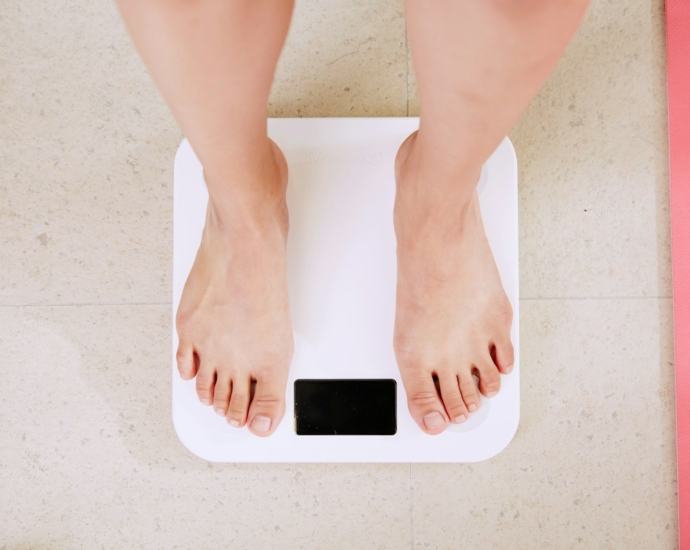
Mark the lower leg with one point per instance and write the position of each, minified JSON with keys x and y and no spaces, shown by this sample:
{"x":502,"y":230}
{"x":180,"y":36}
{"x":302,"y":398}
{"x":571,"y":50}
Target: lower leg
{"x":478,"y":65}
{"x":213,"y":61}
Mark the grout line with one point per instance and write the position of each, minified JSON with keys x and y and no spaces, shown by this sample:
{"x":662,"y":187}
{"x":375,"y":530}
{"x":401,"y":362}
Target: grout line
{"x":411,"y":511}
{"x":525,"y":299}
{"x":77,"y":304}
{"x":564,"y":298}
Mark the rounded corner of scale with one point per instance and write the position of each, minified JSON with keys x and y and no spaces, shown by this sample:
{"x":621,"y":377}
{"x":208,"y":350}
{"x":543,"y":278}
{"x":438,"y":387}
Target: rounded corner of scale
{"x":507,"y":438}
{"x":188,"y":442}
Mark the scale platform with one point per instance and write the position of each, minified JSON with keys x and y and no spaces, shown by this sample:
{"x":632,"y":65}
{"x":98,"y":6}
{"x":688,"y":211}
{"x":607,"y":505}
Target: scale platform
{"x":341,"y":278}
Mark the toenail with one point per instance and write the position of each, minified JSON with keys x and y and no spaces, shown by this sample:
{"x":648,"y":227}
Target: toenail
{"x":234,"y":423}
{"x":492,"y":394}
{"x":472,"y":408}
{"x":509,"y":368}
{"x":220,"y":412}
{"x":460,"y":418}
{"x":434,"y":420}
{"x":261,"y":423}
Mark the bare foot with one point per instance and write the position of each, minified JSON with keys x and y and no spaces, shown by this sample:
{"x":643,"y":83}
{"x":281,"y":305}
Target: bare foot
{"x":233,"y":321}
{"x":453,"y":317}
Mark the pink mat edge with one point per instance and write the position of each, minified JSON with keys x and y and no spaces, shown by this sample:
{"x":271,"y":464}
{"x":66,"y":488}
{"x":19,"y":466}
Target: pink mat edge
{"x":678,"y":56}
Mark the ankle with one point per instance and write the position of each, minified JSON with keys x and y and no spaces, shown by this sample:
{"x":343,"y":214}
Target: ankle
{"x":249,"y":196}
{"x":436,"y":172}
{"x":248,"y":217}
{"x":247,"y":168}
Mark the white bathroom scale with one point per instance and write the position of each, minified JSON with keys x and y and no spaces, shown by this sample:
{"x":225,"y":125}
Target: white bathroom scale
{"x":345,"y":398}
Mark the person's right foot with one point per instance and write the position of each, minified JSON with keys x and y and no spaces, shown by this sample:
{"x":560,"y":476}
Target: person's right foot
{"x":233,"y":321}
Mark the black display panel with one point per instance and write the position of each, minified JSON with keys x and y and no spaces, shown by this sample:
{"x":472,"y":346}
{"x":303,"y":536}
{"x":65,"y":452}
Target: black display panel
{"x":345,"y":407}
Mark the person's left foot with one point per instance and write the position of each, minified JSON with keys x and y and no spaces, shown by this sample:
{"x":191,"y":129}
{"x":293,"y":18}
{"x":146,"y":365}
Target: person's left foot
{"x":453,"y":317}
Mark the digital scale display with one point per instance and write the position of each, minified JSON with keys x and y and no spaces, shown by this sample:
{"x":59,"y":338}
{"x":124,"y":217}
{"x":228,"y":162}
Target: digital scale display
{"x":345,"y":407}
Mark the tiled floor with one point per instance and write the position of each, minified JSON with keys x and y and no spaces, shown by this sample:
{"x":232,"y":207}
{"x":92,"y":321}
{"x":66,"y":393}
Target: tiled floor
{"x":88,"y":456}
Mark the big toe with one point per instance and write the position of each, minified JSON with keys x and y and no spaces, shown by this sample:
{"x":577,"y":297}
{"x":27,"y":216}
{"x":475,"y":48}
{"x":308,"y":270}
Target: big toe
{"x":424,"y":402}
{"x":267,"y":407}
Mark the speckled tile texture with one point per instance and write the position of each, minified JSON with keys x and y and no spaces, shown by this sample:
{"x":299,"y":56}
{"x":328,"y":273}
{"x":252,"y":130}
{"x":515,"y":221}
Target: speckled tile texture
{"x":88,"y":455}
{"x":343,"y":58}
{"x":84,"y":208}
{"x":593,"y":156}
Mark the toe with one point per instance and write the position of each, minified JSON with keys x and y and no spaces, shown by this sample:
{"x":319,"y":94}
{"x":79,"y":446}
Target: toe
{"x":239,"y":401}
{"x":205,"y":382}
{"x":221,"y":394}
{"x":424,"y":402}
{"x":489,"y":377}
{"x":503,"y":355}
{"x":468,"y":388}
{"x":186,"y":364}
{"x":267,"y":407}
{"x":452,"y":399}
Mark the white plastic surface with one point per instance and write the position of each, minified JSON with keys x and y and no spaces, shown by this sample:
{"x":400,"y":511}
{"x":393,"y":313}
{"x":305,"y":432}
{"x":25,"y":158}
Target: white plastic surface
{"x":342,"y":273}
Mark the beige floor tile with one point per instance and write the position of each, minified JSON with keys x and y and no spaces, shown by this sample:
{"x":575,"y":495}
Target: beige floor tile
{"x":593,"y":461}
{"x":593,"y":160}
{"x":592,"y":155}
{"x":89,"y":458}
{"x":343,"y":58}
{"x":85,"y":160}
